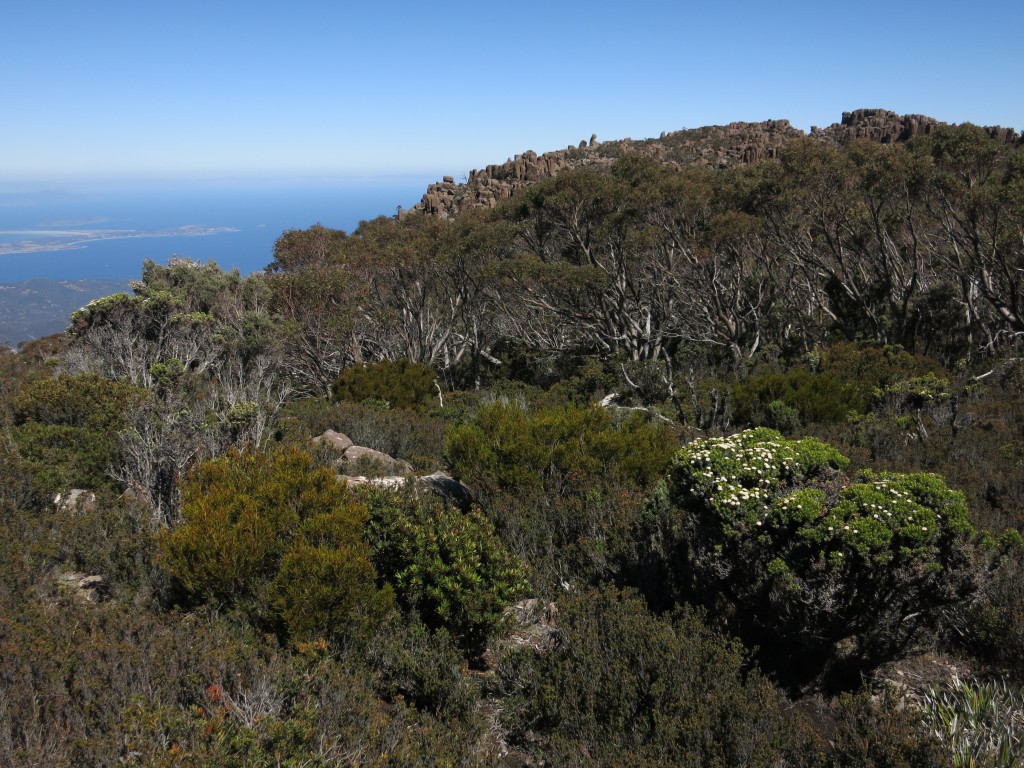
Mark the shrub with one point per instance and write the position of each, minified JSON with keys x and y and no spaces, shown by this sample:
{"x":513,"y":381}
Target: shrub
{"x":626,"y":687}
{"x":447,"y":565}
{"x":815,"y":397}
{"x":275,"y":533}
{"x":325,"y":585}
{"x":66,"y":428}
{"x":399,"y":384}
{"x":563,"y":485}
{"x":838,"y":380}
{"x":799,"y":564}
{"x":505,"y":449}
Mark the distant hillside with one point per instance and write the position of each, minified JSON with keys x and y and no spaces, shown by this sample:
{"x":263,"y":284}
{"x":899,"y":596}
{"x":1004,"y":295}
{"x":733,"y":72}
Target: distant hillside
{"x":39,"y":307}
{"x":712,"y":146}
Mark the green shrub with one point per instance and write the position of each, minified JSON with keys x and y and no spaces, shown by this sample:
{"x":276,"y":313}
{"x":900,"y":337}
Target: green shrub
{"x":837,"y":381}
{"x":626,"y":687}
{"x":447,"y":565}
{"x":813,"y":571}
{"x":506,"y":449}
{"x":816,"y":398}
{"x":563,"y":485}
{"x":277,"y":534}
{"x":66,"y":428}
{"x":324,"y":586}
{"x":425,"y":667}
{"x":398,"y":384}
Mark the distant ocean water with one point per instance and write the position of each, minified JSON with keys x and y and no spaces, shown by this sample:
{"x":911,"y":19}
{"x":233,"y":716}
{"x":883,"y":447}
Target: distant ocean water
{"x":258,"y":212}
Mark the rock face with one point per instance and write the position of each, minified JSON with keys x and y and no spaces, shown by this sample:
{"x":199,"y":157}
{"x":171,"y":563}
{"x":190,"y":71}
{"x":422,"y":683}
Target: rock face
{"x":75,"y":500}
{"x":714,"y":146}
{"x":335,"y":440}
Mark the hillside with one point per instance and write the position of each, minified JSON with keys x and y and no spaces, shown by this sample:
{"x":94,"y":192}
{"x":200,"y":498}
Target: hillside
{"x":711,"y":147}
{"x":702,"y":450}
{"x":35,"y":308}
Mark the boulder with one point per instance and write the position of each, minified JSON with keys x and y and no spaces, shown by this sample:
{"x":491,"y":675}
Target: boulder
{"x":89,"y":588}
{"x":356,"y":453}
{"x":448,"y":488}
{"x":75,"y":500}
{"x":338,"y":441}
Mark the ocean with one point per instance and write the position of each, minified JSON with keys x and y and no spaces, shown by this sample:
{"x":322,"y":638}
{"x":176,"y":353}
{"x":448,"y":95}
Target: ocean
{"x":241,"y":222}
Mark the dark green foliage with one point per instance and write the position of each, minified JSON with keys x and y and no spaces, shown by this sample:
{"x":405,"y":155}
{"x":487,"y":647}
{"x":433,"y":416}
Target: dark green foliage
{"x":813,"y":397}
{"x":836,"y":382}
{"x":66,"y":428}
{"x":425,"y":667}
{"x":873,"y":731}
{"x":446,"y":565}
{"x":798,"y":563}
{"x":399,"y":384}
{"x":625,"y":687}
{"x":564,"y":485}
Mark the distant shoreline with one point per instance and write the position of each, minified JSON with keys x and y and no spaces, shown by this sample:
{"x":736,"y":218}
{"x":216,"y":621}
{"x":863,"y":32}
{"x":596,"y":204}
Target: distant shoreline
{"x":52,"y":240}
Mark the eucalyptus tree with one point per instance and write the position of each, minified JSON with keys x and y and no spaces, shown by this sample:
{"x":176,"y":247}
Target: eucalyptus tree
{"x":422,"y":283}
{"x":977,"y":198}
{"x":590,"y":270}
{"x":851,"y":221}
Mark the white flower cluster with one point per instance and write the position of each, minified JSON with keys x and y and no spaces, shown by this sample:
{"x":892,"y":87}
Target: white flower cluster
{"x":736,"y":471}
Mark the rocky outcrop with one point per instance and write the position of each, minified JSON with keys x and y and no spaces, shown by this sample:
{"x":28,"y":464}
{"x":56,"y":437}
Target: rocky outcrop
{"x":713,"y":146}
{"x":879,"y":125}
{"x":396,"y":472}
{"x":75,"y":500}
{"x":91,"y":589}
{"x":351,"y":456}
{"x":336,"y":441}
{"x":439,"y":484}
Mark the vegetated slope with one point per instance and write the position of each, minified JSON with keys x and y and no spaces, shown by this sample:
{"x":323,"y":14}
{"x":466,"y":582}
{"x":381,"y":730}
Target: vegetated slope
{"x":35,"y":308}
{"x":717,"y":146}
{"x":215,"y":595}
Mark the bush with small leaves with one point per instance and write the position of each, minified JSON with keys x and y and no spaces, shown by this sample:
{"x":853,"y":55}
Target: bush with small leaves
{"x":811,"y":569}
{"x":627,"y":687}
{"x":399,"y":384}
{"x":445,"y":564}
{"x":563,"y":485}
{"x":281,"y":537}
{"x":66,"y":428}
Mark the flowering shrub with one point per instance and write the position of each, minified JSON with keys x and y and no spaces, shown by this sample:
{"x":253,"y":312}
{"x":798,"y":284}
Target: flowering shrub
{"x":798,"y":561}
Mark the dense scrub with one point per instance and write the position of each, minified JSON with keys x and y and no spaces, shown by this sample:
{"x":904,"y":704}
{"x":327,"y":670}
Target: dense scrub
{"x":749,"y":439}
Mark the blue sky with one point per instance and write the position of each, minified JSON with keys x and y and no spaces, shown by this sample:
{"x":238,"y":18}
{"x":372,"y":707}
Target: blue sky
{"x":207,"y":90}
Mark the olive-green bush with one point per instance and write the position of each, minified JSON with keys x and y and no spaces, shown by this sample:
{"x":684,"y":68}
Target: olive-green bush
{"x":564,"y":485}
{"x":396,"y":384}
{"x":66,"y":428}
{"x":279,"y":536}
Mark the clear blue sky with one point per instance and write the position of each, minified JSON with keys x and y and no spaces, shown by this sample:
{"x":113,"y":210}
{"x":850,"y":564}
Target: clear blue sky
{"x":214,"y":89}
